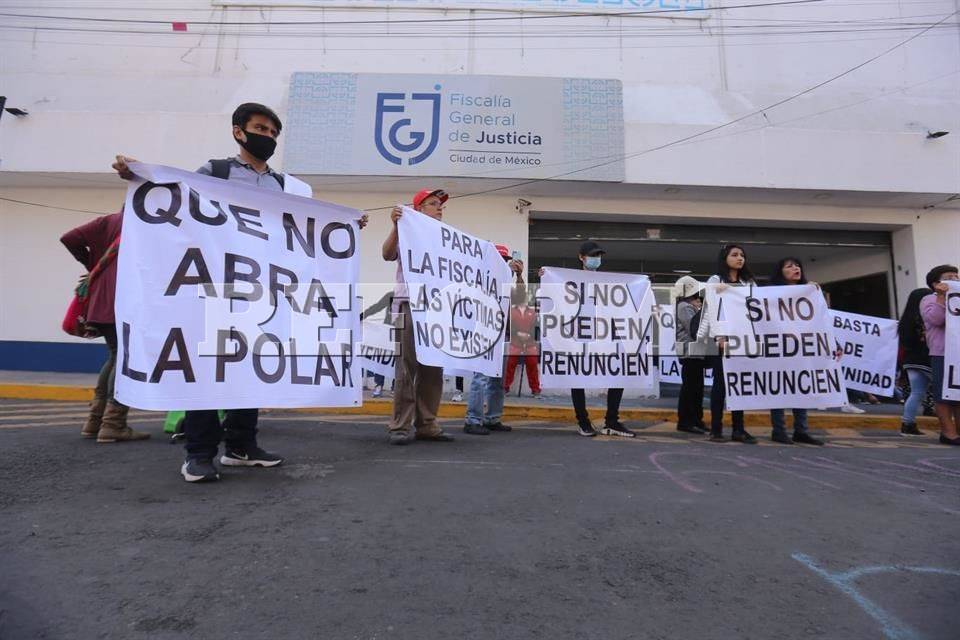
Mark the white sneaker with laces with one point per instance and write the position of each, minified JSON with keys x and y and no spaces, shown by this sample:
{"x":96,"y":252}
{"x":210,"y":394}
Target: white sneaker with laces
{"x":851,"y":409}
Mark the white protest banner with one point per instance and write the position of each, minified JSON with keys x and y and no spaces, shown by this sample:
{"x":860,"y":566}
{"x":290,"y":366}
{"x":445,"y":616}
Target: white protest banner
{"x":595,"y":330}
{"x":232,"y":296}
{"x":780,"y":348}
{"x":459,"y":293}
{"x":377,"y":351}
{"x":670,"y":370}
{"x":869,"y":351}
{"x":951,"y":345}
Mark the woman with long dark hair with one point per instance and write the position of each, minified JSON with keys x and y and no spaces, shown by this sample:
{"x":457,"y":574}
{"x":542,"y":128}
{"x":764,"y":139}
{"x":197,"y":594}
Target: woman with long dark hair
{"x":789,"y":271}
{"x":732,"y":270}
{"x":916,"y":360}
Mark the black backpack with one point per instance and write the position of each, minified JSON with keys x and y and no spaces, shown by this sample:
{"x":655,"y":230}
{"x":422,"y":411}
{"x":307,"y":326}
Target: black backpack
{"x":221,"y":169}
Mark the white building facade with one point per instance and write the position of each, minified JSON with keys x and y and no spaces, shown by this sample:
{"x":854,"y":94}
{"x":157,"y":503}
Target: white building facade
{"x":659,"y":128}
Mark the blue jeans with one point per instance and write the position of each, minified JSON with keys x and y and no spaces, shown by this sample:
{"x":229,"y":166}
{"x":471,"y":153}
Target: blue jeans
{"x":919,"y":383}
{"x":489,"y":391}
{"x":779,"y":420}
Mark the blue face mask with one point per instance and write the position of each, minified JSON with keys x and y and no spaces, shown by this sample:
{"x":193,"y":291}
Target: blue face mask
{"x":592,"y":263}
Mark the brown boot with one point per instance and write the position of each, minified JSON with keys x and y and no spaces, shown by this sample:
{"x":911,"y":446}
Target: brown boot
{"x":113,"y":427}
{"x":92,"y":425}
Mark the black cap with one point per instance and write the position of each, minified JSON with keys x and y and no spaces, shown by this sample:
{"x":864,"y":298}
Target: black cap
{"x":591,"y":248}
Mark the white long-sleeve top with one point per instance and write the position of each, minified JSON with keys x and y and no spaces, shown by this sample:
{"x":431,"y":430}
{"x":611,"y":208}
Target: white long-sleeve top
{"x":706,"y":330}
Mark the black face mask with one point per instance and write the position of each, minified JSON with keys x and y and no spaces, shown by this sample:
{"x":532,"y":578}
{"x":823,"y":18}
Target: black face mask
{"x":259,"y":146}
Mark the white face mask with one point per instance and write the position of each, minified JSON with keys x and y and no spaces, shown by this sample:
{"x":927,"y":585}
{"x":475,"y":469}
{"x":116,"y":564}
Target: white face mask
{"x":592,"y":263}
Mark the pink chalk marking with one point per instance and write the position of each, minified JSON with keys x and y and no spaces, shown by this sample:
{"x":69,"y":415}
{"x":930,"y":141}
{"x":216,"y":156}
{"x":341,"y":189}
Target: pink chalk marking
{"x":872,"y":476}
{"x":942,"y":472}
{"x":680,"y":482}
{"x":739,"y":475}
{"x":786,"y":469}
{"x":929,"y":462}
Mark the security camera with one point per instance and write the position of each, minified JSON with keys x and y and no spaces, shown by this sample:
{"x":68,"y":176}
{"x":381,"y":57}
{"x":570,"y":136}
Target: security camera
{"x":522,"y":205}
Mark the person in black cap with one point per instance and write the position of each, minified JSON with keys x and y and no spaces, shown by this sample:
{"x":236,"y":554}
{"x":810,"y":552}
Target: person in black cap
{"x":591,"y":255}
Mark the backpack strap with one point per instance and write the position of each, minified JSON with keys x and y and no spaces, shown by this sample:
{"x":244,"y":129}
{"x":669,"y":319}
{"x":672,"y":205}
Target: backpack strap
{"x":220,"y":168}
{"x":83,"y":288}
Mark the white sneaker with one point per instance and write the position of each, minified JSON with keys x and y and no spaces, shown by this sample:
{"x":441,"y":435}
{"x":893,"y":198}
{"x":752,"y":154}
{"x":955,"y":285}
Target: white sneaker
{"x":457,"y":397}
{"x":377,"y":391}
{"x":851,"y":409}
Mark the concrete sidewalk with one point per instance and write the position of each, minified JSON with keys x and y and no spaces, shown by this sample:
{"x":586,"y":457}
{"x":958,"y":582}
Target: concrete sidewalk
{"x":39,"y":385}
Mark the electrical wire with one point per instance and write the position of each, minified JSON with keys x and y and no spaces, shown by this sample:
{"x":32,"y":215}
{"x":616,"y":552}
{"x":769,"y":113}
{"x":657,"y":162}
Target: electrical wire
{"x":488,"y":173}
{"x":498,"y":47}
{"x":679,"y":141}
{"x":672,"y":143}
{"x":469,"y":19}
{"x":521,"y":35}
{"x":825,"y":111}
{"x":125,"y":5}
{"x":50,"y":206}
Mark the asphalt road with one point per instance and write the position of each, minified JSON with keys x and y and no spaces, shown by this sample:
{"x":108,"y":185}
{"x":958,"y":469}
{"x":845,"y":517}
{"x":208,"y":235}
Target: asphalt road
{"x":537,"y":533}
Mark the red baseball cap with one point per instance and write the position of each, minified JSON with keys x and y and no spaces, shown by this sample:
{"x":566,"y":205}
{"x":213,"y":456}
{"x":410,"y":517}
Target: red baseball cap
{"x":504,"y":251}
{"x":423,"y":194}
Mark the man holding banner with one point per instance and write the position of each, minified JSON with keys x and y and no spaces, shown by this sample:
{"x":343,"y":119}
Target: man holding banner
{"x":255,"y":128}
{"x":418,"y":388}
{"x":452,"y":295}
{"x":595,"y":330}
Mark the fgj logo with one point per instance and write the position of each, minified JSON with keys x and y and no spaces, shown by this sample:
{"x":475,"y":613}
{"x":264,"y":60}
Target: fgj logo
{"x":395,"y":134}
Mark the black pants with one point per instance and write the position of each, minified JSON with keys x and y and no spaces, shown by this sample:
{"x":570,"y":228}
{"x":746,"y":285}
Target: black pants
{"x":718,"y":396}
{"x":614,"y":396}
{"x":690,"y":404}
{"x":203,"y":431}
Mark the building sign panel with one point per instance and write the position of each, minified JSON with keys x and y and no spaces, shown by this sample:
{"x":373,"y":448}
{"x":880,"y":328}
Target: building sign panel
{"x":466,"y":126}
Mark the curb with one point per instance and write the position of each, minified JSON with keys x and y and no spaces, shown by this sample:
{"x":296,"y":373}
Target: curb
{"x":46,"y":392}
{"x":379,"y":407}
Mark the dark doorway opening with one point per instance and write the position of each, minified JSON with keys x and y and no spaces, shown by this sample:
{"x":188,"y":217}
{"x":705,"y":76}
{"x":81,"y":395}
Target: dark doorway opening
{"x":666,"y":251}
{"x":868,"y":295}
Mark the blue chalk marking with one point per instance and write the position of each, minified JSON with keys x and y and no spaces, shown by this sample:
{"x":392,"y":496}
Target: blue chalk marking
{"x":892,"y":627}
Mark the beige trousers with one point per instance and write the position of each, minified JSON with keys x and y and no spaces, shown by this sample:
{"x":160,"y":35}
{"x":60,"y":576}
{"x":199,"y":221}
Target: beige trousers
{"x":418,"y":388}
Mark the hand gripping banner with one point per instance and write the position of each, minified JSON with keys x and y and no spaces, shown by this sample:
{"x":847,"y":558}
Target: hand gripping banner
{"x":596,"y":330}
{"x":459,"y":288}
{"x":230,"y":296}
